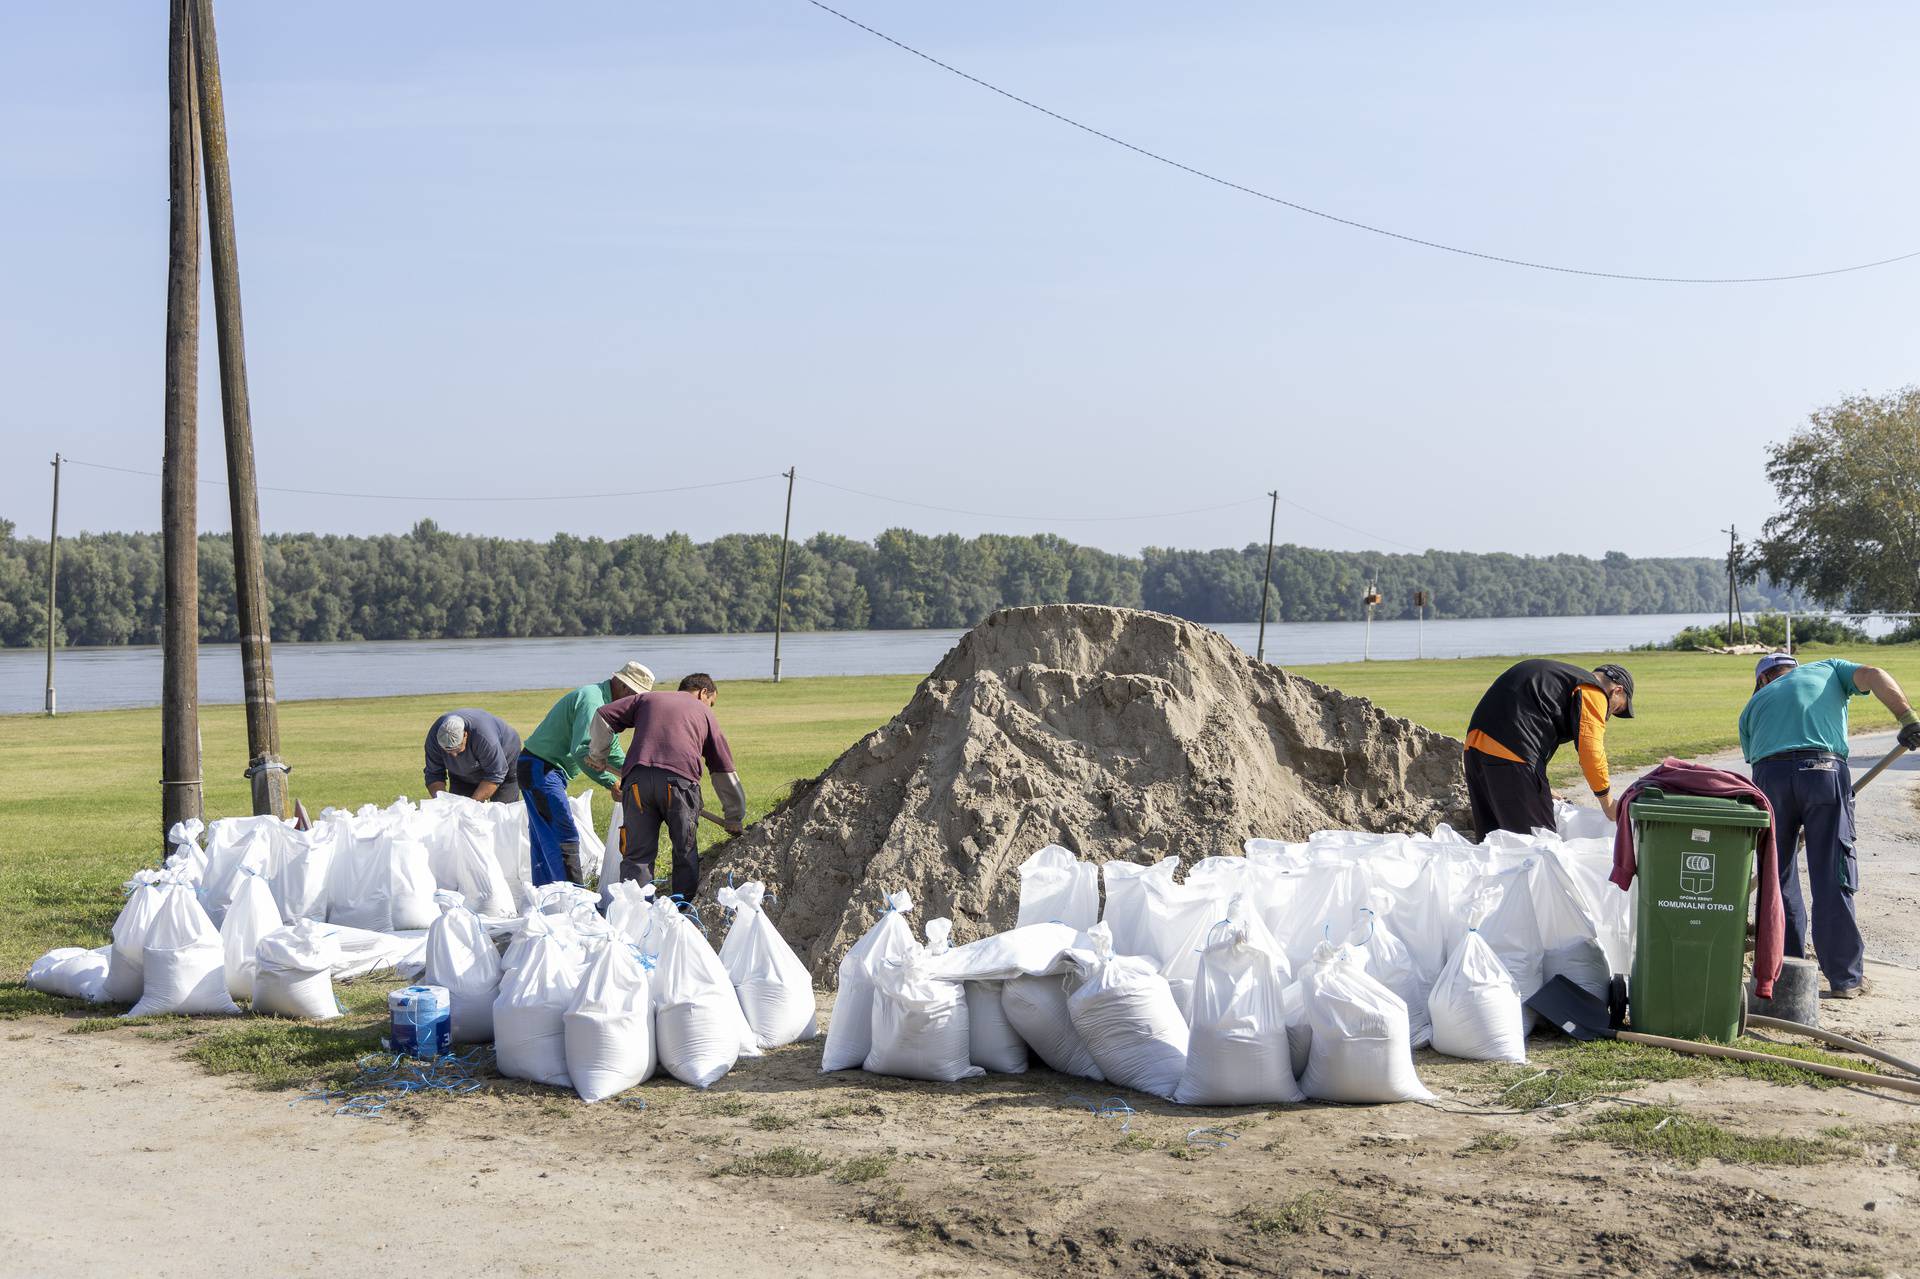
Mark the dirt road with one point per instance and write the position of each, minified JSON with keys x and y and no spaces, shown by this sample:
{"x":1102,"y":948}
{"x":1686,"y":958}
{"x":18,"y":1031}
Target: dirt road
{"x":121,"y":1155}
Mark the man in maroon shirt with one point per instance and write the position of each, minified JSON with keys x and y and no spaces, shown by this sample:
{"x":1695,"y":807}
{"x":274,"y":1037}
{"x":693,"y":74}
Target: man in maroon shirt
{"x":673,"y":735}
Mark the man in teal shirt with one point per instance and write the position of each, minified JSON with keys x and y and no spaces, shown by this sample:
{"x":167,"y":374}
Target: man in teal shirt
{"x":554,"y":754}
{"x":1794,"y":734}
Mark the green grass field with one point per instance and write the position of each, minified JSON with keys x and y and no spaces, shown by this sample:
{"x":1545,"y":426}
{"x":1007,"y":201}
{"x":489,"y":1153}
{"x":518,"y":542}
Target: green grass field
{"x":81,"y":807}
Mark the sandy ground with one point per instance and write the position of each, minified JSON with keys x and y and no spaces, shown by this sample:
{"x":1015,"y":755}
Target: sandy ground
{"x":120,"y":1154}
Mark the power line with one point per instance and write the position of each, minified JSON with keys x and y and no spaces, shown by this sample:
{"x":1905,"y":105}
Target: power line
{"x":1345,"y":221}
{"x":441,"y":497}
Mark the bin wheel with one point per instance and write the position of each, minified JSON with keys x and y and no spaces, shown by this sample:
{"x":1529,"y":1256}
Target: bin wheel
{"x":1617,"y":1001}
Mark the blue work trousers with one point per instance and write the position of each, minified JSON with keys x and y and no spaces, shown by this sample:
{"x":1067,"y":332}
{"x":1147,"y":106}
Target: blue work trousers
{"x":555,"y":838}
{"x":1812,"y":794}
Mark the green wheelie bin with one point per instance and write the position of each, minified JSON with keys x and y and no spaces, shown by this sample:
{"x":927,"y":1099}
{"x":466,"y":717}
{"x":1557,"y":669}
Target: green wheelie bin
{"x":1695,"y":874}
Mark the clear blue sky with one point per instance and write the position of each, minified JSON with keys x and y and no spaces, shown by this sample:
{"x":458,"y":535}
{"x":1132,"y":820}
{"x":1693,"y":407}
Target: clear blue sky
{"x":491,"y":248}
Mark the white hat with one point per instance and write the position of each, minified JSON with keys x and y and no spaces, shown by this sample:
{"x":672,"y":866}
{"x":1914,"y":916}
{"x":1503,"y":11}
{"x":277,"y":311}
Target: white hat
{"x":452,"y":731}
{"x":636,"y":677}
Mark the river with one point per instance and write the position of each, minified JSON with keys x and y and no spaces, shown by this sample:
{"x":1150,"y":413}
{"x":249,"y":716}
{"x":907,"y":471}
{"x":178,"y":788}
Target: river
{"x":105,"y":678}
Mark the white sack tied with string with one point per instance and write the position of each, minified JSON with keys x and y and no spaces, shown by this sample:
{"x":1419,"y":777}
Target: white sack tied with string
{"x":1475,"y":1006}
{"x":463,"y":861}
{"x":72,"y":972}
{"x":183,"y":964}
{"x":462,"y":958}
{"x":850,"y":1032}
{"x":609,"y":1025}
{"x":630,"y":910}
{"x":699,"y":1030}
{"x":992,"y":1042}
{"x":299,"y":867}
{"x":1360,"y":1050}
{"x":1036,"y":1008}
{"x":185,"y":857}
{"x":774,"y":987}
{"x":250,"y":918}
{"x":293,"y":971}
{"x":920,"y":1025}
{"x":1057,"y":887}
{"x":1389,"y":962}
{"x":231,"y":843}
{"x":1237,"y":1048}
{"x":529,"y":1031}
{"x":1126,"y":913}
{"x":1126,"y":1012}
{"x":126,"y":963}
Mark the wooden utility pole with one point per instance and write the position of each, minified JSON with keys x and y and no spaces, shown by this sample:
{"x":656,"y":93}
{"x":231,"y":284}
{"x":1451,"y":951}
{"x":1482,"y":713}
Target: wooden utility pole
{"x":179,"y":507}
{"x":780,"y":593}
{"x":1266,"y":579}
{"x":265,"y":769}
{"x":53,"y":559}
{"x":1733,"y":541}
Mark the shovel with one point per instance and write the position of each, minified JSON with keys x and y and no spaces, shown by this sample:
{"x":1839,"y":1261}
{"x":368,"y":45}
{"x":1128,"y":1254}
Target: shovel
{"x":1583,"y":1017}
{"x":1879,"y":768}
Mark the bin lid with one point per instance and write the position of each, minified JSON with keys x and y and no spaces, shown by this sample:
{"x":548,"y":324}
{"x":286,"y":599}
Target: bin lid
{"x":1655,"y":805}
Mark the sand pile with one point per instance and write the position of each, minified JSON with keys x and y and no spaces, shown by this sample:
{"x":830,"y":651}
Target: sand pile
{"x":1116,"y":733}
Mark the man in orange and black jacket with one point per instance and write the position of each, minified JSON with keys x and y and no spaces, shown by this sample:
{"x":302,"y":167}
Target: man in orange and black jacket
{"x":1533,"y":709}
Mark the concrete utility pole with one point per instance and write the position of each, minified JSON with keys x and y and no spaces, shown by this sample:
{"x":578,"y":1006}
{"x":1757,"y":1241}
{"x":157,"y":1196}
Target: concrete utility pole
{"x":53,"y":558}
{"x":179,"y":507}
{"x":780,"y":592}
{"x":1266,"y":579}
{"x":265,"y":769}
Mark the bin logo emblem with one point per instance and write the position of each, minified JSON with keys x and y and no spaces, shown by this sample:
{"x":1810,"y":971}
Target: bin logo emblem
{"x":1696,"y":874}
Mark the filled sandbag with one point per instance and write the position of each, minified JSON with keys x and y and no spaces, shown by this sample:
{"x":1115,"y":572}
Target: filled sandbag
{"x":698,"y":1026}
{"x":1475,"y":1006}
{"x":1126,"y":1012}
{"x":920,"y":1028}
{"x":630,"y":910}
{"x":592,"y":851}
{"x":992,"y":1042}
{"x":185,"y":857}
{"x":299,"y":865}
{"x":463,"y":860}
{"x":529,"y":1029}
{"x":380,"y":881}
{"x":610,"y":857}
{"x":609,"y":1025}
{"x":231,"y":843}
{"x":293,"y":972}
{"x":850,"y":1032}
{"x":1325,"y":907}
{"x":1036,"y":1008}
{"x":774,"y":987}
{"x":1031,"y":951}
{"x":251,"y":917}
{"x":462,"y":958}
{"x":1388,"y":962}
{"x":1512,"y":928}
{"x":1238,"y":1053}
{"x":1126,"y":911}
{"x":126,"y":963}
{"x":1360,"y":1050}
{"x":184,"y":966}
{"x":1057,"y":887}
{"x":413,"y":886}
{"x":72,"y":973}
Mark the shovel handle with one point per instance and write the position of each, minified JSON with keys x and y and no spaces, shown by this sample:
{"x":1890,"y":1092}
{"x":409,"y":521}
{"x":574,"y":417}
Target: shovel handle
{"x":1879,"y":768}
{"x":1838,"y":1041}
{"x":1741,"y":1054}
{"x":715,"y":818}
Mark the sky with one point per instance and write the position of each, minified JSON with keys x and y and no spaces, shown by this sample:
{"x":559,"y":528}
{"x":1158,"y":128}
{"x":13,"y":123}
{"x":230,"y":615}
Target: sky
{"x":494,"y":254}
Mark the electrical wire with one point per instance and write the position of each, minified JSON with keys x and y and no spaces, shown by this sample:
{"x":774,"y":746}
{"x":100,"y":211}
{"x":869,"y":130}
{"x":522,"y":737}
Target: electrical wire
{"x":1354,"y":223}
{"x":442,"y":497}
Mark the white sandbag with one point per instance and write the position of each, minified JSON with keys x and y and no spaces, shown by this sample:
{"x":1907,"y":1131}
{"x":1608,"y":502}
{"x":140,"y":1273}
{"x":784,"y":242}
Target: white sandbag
{"x":185,"y":857}
{"x":1036,"y":1008}
{"x":233,"y":842}
{"x":529,"y":1030}
{"x":126,"y":976}
{"x":1584,"y":963}
{"x":1590,"y":862}
{"x":992,"y":1042}
{"x":850,"y":1032}
{"x":610,"y":857}
{"x":1032,"y":951}
{"x":630,"y":910}
{"x":184,"y":967}
{"x":920,"y":1028}
{"x":463,"y":861}
{"x":293,"y":972}
{"x":1238,"y":1053}
{"x":609,"y":1025}
{"x":774,"y":987}
{"x":1057,"y":887}
{"x":1326,"y":907}
{"x":1360,"y":1050}
{"x":592,"y":851}
{"x":360,"y":881}
{"x":698,"y":1026}
{"x":1576,"y":821}
{"x":363,"y":951}
{"x":461,"y":957}
{"x":1388,"y":962}
{"x":299,"y":865}
{"x":413,"y":885}
{"x":1513,"y":930}
{"x":1420,"y":916}
{"x":512,"y":848}
{"x":72,"y":973}
{"x":1125,"y":913}
{"x":1126,"y":1012}
{"x":1476,"y":1007}
{"x":251,"y":917}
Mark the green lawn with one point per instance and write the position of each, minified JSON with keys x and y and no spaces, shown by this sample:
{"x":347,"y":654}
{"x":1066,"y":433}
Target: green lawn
{"x":81,"y":807}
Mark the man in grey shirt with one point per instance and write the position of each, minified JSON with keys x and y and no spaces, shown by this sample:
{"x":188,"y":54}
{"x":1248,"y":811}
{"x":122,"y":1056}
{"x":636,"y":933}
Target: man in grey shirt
{"x":472,"y":753}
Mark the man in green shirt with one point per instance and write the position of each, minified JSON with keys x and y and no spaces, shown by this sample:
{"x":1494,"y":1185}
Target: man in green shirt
{"x":1793,"y":732}
{"x":554,"y":754}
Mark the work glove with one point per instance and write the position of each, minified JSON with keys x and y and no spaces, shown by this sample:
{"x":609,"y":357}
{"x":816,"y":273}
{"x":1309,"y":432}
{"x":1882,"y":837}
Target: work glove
{"x":1910,"y":730}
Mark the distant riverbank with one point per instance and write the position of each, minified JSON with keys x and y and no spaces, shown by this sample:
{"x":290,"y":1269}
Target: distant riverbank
{"x":108,"y":678}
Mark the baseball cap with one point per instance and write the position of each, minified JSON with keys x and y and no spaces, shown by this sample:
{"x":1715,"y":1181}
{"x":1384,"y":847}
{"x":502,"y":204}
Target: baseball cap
{"x":636,"y":677}
{"x":1774,"y":661}
{"x":451,"y":732}
{"x":1619,"y":676}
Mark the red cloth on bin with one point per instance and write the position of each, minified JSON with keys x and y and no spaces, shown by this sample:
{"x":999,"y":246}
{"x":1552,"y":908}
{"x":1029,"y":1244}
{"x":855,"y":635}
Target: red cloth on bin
{"x":1679,"y":777}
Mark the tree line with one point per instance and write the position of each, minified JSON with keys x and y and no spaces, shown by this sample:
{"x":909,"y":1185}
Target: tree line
{"x":431,"y":584}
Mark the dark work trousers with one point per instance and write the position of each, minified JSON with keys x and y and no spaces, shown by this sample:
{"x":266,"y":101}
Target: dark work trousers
{"x":550,"y":826}
{"x":508,"y":792}
{"x":1812,"y":794}
{"x":1506,"y":795}
{"x":650,"y":798}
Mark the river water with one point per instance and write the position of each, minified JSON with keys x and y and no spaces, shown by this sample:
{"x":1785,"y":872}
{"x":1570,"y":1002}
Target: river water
{"x":103,"y":678}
